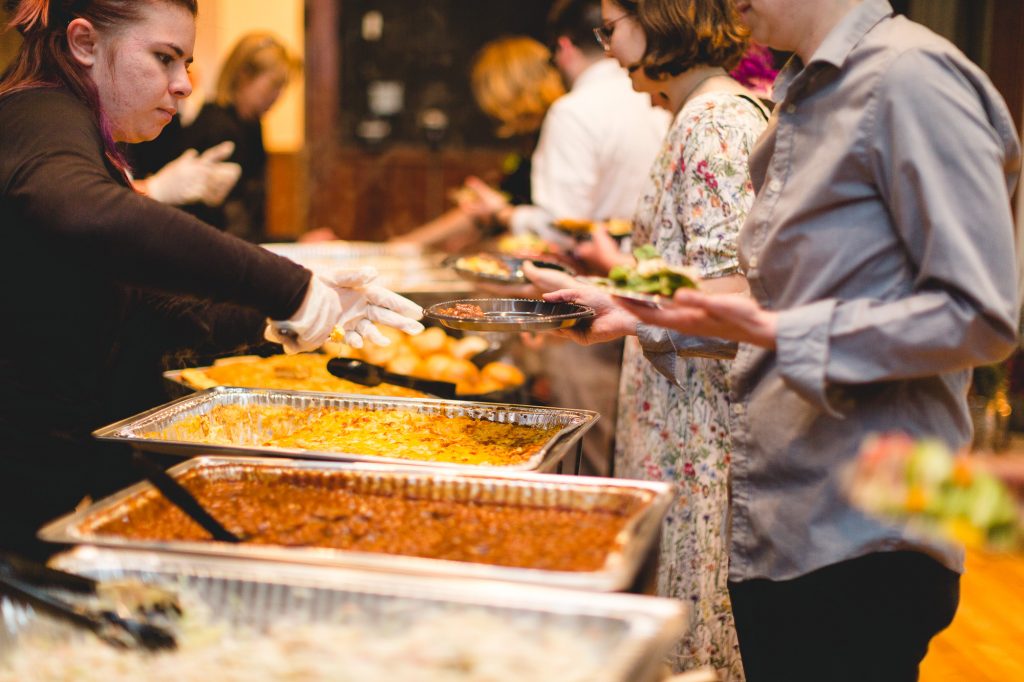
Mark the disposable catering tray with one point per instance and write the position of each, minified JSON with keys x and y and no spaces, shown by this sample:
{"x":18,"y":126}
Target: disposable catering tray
{"x":630,"y":634}
{"x":340,"y":249}
{"x":161,"y":429}
{"x":641,"y":506}
{"x":406,"y":268}
{"x":178,"y":387}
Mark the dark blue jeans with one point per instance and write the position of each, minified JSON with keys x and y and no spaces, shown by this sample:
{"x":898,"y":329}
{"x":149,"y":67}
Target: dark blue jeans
{"x":867,"y":619}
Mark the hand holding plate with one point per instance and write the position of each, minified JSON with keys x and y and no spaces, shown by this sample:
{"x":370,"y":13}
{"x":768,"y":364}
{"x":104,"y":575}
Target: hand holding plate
{"x":736,"y":317}
{"x":610,"y":322}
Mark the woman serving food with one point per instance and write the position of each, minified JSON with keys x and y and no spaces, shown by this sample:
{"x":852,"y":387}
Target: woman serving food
{"x":92,"y":254}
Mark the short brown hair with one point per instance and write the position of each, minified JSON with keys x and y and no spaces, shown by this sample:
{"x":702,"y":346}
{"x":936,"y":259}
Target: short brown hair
{"x":682,"y":34}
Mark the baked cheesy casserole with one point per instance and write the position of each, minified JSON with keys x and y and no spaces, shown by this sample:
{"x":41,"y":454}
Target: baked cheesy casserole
{"x":402,"y":434}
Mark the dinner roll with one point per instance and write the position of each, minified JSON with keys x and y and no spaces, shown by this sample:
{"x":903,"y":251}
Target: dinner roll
{"x":460,"y":370}
{"x":503,"y":373}
{"x":435,"y":367}
{"x":431,"y":340}
{"x":403,"y":363}
{"x":468,"y":346}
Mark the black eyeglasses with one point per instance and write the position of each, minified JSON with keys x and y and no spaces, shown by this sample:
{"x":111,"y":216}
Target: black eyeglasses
{"x":603,"y":33}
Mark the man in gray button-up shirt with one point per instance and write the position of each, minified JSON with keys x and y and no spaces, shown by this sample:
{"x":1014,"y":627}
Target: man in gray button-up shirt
{"x":881,"y":259}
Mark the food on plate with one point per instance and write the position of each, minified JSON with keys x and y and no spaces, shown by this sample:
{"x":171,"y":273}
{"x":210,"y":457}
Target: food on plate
{"x":524,"y":245}
{"x":924,"y":485}
{"x":574,"y":225}
{"x":435,"y":355}
{"x":300,"y":372}
{"x":618,"y":227}
{"x":397,"y":433}
{"x":651,"y":274}
{"x":463,"y":310}
{"x":484,"y":264}
{"x":331,"y":509}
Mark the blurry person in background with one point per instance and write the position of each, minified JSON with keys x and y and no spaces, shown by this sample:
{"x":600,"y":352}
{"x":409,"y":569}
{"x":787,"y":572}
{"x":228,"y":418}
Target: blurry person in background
{"x":514,"y":83}
{"x":596,"y":144}
{"x":882,"y":269}
{"x":253,"y":76}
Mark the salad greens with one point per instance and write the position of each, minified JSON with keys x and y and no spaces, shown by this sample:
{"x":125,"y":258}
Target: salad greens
{"x":651,"y":274}
{"x":922,"y":483}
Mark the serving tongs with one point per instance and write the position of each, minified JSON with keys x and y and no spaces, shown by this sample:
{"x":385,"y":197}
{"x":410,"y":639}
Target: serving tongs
{"x":116,"y":626}
{"x":367,"y":374}
{"x":179,"y":496}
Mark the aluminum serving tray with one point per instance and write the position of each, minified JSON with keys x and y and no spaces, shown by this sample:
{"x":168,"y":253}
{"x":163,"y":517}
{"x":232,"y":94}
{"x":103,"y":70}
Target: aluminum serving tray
{"x":165,"y":419}
{"x":649,"y":500}
{"x":406,"y":268}
{"x":178,"y":387}
{"x":633,"y":633}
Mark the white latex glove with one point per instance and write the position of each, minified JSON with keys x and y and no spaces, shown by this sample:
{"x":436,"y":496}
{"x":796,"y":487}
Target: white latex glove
{"x":222,"y":175}
{"x":345,"y":299}
{"x":194,"y":177}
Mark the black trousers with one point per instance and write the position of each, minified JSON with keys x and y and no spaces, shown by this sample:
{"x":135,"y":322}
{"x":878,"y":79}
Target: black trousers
{"x":867,"y":619}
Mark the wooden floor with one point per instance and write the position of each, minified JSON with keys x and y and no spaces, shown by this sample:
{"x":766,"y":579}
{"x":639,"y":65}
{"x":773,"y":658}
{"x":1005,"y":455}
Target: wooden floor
{"x":985,"y":643}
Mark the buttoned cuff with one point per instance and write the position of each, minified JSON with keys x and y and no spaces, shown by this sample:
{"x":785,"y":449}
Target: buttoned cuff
{"x":802,"y":344}
{"x":661,"y":347}
{"x":658,"y":349}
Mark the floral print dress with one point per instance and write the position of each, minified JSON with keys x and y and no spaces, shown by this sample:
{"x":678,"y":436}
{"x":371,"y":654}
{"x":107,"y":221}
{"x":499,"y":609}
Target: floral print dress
{"x":699,"y":195}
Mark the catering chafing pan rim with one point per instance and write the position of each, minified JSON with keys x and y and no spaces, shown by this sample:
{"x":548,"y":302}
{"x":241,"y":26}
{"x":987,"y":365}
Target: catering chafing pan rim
{"x":345,"y":249}
{"x":254,"y":593}
{"x":406,"y":268}
{"x":620,"y":568}
{"x":130,"y":431}
{"x":180,"y":387}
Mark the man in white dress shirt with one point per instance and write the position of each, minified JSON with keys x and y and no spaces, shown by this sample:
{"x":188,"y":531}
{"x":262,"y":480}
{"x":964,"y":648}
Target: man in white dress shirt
{"x":598,"y":141}
{"x":592,"y":162}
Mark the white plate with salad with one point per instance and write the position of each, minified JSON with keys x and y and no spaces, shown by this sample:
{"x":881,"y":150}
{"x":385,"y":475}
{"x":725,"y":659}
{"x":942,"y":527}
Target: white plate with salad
{"x":650,"y":281}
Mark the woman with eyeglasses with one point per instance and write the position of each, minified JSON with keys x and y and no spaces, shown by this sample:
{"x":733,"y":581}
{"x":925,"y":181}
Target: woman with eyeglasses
{"x":673,"y":419}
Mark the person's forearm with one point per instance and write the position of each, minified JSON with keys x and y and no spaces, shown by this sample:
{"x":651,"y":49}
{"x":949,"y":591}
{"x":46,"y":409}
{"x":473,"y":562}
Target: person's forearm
{"x":450,"y":224}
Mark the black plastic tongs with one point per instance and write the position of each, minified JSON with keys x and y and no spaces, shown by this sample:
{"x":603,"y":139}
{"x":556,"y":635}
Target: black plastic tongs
{"x":364,"y":373}
{"x":25,"y":581}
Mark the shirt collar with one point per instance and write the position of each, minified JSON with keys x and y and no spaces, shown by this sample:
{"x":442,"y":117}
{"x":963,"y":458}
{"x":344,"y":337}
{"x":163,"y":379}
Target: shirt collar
{"x":603,"y":69}
{"x":838,"y":44}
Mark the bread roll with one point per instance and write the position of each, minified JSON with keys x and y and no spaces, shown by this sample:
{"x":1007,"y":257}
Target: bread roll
{"x":468,"y":346}
{"x":431,"y":340}
{"x":484,"y":385}
{"x":436,"y":367}
{"x":505,"y":374}
{"x":460,"y":370}
{"x":404,"y":362}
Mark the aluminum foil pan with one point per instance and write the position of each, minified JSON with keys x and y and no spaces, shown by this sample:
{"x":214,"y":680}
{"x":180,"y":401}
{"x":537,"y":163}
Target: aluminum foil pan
{"x":631,"y":633}
{"x":177,"y":387}
{"x":166,"y":421}
{"x":643,"y":503}
{"x":343,"y":249}
{"x":405,"y":268}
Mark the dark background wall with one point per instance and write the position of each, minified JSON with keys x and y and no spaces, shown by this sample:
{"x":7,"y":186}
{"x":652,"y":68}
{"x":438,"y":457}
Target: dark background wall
{"x":427,"y":48}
